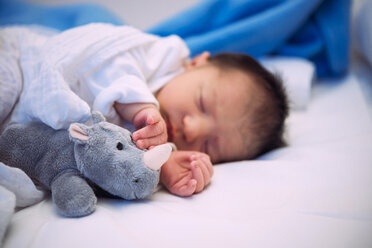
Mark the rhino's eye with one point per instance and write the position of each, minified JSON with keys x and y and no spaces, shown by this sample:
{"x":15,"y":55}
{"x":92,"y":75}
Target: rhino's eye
{"x":119,"y":146}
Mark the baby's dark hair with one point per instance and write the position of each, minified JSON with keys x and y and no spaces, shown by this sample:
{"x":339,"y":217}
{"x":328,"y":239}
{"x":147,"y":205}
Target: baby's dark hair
{"x":266,"y":124}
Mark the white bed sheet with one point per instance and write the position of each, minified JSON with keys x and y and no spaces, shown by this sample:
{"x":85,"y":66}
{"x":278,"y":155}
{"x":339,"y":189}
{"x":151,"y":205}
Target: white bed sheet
{"x":317,"y":192}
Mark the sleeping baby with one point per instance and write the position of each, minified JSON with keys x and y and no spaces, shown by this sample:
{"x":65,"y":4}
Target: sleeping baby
{"x":214,"y":109}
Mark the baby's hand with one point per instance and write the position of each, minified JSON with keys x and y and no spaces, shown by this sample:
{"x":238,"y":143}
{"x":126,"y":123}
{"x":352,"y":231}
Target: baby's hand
{"x":186,"y":172}
{"x":152,"y":128}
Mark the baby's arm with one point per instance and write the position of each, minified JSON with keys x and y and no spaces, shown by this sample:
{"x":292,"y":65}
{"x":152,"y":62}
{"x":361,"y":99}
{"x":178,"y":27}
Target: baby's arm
{"x":150,"y":125}
{"x":186,"y":172}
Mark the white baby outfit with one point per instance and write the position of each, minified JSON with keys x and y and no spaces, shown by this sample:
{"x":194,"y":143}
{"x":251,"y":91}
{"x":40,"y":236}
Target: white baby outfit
{"x":66,"y":75}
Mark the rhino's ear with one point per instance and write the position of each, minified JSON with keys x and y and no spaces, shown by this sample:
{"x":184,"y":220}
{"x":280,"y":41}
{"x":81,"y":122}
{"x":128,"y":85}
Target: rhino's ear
{"x":78,"y":133}
{"x":97,"y":117}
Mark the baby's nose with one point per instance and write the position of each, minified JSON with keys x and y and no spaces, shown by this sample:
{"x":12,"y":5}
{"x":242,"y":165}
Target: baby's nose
{"x":195,"y":128}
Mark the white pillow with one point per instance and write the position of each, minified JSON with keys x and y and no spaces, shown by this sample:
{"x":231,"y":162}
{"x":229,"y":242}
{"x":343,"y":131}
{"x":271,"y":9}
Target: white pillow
{"x":297,"y":75}
{"x":362,"y":29}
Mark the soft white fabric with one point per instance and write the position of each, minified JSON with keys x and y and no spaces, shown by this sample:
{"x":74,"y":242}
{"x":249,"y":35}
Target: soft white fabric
{"x":16,"y":190}
{"x":314,"y":193}
{"x":16,"y":181}
{"x":52,"y":65}
{"x":297,"y":75}
{"x":147,"y":68}
{"x":7,"y":205}
{"x":10,"y":76}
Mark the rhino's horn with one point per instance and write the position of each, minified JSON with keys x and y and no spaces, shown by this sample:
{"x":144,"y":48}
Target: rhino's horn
{"x":157,"y":156}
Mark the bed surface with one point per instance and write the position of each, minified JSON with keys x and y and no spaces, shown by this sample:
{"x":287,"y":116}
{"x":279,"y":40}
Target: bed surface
{"x":317,"y":192}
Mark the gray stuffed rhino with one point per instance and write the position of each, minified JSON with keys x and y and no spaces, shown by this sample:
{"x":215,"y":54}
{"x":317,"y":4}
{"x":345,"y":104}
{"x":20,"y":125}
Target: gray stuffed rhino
{"x":67,"y":162}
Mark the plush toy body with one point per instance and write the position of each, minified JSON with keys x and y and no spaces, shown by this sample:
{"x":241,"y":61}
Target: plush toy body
{"x":64,"y":161}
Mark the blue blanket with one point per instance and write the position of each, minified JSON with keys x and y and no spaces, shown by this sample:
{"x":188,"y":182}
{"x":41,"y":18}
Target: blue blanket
{"x":13,"y":12}
{"x":314,"y":29}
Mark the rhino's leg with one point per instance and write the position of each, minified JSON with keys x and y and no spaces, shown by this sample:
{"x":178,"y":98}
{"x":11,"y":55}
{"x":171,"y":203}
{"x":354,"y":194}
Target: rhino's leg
{"x":72,"y":195}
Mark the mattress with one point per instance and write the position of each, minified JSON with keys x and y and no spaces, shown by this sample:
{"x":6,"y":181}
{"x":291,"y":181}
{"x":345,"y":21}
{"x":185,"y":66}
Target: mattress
{"x":316,"y":192}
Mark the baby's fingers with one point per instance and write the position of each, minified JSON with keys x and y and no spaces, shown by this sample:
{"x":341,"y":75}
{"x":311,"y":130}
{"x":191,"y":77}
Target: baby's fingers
{"x":153,"y":141}
{"x":208,"y":164}
{"x":146,"y":117}
{"x":153,"y":118}
{"x":197,"y":174}
{"x":150,"y":136}
{"x":203,"y":164}
{"x":150,"y":131}
{"x":185,"y":187}
{"x":206,"y":174}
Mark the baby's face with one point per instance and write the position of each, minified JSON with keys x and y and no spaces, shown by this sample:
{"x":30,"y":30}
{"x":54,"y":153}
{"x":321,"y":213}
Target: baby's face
{"x":203,"y":111}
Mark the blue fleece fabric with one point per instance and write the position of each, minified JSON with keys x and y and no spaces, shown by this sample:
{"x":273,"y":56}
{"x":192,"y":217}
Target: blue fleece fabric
{"x":61,"y":17}
{"x":313,"y":29}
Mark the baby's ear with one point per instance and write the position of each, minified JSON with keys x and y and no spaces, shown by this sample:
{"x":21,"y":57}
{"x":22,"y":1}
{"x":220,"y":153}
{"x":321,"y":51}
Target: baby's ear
{"x":78,"y":133}
{"x":198,"y":60}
